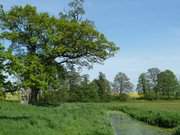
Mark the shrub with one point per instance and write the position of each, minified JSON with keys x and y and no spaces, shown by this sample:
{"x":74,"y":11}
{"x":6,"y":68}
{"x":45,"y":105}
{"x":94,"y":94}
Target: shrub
{"x":123,"y":97}
{"x":177,"y":131}
{"x":153,"y":118}
{"x":78,"y":94}
{"x":2,"y":95}
{"x":84,"y":94}
{"x":54,"y":97}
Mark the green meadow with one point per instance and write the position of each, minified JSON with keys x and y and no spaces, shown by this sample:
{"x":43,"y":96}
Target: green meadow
{"x":65,"y":119}
{"x":85,"y":118}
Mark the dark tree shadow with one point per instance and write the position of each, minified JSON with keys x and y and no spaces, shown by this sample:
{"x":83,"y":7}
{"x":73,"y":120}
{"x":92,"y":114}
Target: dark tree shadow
{"x":15,"y":118}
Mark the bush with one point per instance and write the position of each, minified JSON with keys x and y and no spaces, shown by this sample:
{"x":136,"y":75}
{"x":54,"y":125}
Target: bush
{"x":2,"y":95}
{"x":78,"y":94}
{"x":165,"y":120}
{"x":177,"y":131}
{"x":84,"y":94}
{"x":123,"y":97}
{"x":150,"y":96}
{"x":54,"y":97}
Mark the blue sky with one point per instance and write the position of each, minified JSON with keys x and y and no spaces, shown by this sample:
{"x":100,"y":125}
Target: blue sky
{"x":147,"y":31}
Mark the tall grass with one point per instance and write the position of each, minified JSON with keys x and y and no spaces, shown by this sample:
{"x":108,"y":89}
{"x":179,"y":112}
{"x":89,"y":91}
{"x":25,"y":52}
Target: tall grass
{"x":66,"y":119}
{"x":82,"y":119}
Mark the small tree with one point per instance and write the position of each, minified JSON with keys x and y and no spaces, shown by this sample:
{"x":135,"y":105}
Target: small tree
{"x":122,"y":84}
{"x":88,"y":90}
{"x":104,"y":88}
{"x":74,"y":79}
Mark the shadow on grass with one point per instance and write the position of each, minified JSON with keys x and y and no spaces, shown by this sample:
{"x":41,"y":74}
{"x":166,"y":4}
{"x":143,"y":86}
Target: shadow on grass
{"x":47,"y":104}
{"x":15,"y":118}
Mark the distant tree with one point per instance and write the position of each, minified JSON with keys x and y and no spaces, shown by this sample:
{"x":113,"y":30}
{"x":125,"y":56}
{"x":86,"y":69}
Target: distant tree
{"x":122,"y":84}
{"x":92,"y":92}
{"x":74,"y":79}
{"x":143,"y":84}
{"x":177,"y":91}
{"x":85,"y":80}
{"x":89,"y":90}
{"x":104,"y":88}
{"x":153,"y":76}
{"x":167,"y":83}
{"x":44,"y":45}
{"x":81,"y":89}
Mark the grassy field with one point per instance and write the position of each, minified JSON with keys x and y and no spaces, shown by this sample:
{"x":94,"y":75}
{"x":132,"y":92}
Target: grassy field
{"x":82,"y":119}
{"x":66,"y":119}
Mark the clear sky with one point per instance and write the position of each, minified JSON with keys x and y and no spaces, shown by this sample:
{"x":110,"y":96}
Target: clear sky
{"x":147,"y":31}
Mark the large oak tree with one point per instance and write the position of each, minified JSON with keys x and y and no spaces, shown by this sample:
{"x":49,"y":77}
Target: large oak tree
{"x":44,"y":45}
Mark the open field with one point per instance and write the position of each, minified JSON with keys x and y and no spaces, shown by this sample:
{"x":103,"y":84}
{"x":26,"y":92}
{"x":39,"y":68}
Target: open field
{"x":79,"y":118}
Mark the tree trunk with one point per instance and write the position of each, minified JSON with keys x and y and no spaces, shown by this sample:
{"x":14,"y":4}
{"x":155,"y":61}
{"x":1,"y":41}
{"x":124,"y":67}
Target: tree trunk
{"x":33,"y":98}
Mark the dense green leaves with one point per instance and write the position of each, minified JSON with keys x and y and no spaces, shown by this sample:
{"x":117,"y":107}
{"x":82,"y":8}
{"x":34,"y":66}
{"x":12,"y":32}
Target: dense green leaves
{"x":167,"y":83}
{"x":51,"y":37}
{"x":103,"y":86}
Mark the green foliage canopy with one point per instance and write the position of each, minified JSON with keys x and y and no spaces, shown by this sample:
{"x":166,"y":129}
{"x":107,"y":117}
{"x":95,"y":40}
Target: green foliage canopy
{"x":167,"y":83}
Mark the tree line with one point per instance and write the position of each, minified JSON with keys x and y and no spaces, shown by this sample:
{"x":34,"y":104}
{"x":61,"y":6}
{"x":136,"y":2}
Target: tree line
{"x":156,"y":84}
